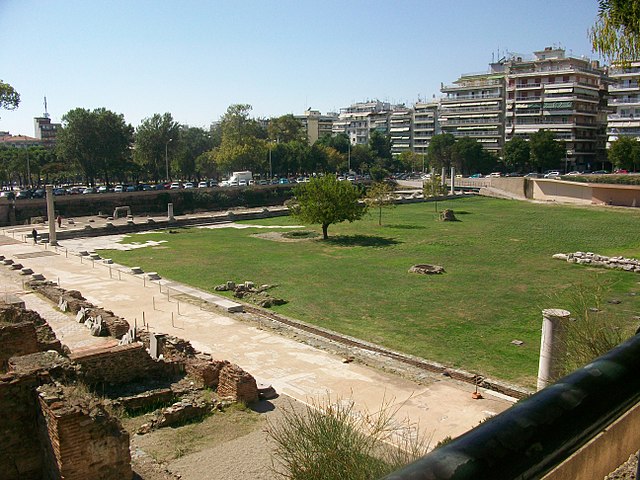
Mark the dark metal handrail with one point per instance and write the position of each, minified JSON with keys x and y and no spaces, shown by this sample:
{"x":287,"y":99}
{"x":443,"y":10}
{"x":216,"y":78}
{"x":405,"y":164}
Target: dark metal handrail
{"x":538,"y":433}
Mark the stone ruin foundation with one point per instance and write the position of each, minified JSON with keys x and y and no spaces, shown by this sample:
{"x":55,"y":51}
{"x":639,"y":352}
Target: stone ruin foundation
{"x":51,"y":423}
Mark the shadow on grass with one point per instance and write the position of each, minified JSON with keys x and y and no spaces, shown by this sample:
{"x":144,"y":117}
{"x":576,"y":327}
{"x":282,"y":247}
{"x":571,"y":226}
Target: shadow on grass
{"x":361,"y":241}
{"x":406,"y":226}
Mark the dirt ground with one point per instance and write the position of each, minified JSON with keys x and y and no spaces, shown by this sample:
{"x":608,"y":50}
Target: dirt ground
{"x":226,"y":445}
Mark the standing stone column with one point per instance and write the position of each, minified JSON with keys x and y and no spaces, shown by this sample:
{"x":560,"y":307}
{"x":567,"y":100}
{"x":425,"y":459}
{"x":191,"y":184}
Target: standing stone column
{"x":551,"y":345}
{"x":453,"y":180}
{"x":51,"y":215}
{"x":444,"y":176}
{"x":170,"y":216}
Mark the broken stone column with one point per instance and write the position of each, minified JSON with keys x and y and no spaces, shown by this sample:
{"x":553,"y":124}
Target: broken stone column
{"x":51,"y":217}
{"x":453,"y":180}
{"x":156,"y":344}
{"x":170,"y":216}
{"x":444,"y":177}
{"x":551,"y":345}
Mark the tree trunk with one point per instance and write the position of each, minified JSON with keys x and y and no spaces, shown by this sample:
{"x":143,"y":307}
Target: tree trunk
{"x":380,"y":216}
{"x":325,"y":227}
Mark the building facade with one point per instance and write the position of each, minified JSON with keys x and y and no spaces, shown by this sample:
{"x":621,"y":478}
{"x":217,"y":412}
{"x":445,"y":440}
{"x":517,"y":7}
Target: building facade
{"x":401,"y":130}
{"x":425,"y":125}
{"x":359,"y":119}
{"x":474,"y":106}
{"x":624,"y":102}
{"x":316,"y":125}
{"x":564,"y":95}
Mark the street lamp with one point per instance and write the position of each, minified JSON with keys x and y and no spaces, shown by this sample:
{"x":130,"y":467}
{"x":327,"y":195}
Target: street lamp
{"x":166,"y":156}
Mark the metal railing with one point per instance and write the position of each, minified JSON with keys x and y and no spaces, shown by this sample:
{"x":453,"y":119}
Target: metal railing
{"x":537,"y":434}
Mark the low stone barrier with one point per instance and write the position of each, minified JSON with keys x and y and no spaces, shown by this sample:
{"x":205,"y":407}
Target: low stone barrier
{"x":595,"y":260}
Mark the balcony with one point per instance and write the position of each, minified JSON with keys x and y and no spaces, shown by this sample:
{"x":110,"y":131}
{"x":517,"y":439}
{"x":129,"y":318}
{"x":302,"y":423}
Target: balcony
{"x":459,"y":98}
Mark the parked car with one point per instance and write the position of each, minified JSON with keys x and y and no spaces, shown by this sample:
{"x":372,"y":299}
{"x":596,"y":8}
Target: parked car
{"x":475,"y":175}
{"x":87,"y":190}
{"x":621,"y":171}
{"x":574,"y":173}
{"x":119,"y":188}
{"x":533,"y":175}
{"x":103,"y":189}
{"x":203,"y":184}
{"x":23,"y":194}
{"x":600,"y":172}
{"x":495,"y":174}
{"x":283,"y":181}
{"x":174,"y":186}
{"x":59,"y":191}
{"x":189,"y":185}
{"x":242,"y":183}
{"x":552,"y":174}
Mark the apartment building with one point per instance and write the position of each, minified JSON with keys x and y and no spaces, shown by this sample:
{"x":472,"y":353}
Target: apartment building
{"x":401,"y":130}
{"x":359,"y":119}
{"x":425,"y":125}
{"x":624,"y":102}
{"x":316,"y":125}
{"x":565,"y":95}
{"x":474,"y":106}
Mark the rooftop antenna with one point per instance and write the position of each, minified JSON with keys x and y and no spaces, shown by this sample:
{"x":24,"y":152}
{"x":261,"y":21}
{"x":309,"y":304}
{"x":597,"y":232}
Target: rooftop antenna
{"x":46,"y":114}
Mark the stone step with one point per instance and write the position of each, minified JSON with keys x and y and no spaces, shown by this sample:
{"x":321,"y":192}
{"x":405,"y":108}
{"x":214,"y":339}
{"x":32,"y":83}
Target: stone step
{"x":229,"y":306}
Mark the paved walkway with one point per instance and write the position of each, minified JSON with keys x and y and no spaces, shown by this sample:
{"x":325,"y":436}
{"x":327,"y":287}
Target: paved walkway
{"x":442,"y":408}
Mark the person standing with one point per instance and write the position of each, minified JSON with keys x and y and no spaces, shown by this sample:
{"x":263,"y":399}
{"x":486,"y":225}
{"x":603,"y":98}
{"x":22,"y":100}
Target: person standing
{"x":34,"y":234}
{"x":59,"y":221}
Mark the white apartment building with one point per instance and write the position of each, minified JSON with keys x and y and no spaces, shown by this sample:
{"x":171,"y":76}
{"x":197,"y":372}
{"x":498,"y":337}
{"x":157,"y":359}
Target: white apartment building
{"x":624,"y":102}
{"x":359,"y":119}
{"x":473,"y":106}
{"x":565,"y":95}
{"x":425,"y":125}
{"x":401,"y":130}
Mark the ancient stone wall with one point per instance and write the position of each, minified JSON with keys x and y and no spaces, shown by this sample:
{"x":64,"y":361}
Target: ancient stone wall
{"x":237,"y":384}
{"x":122,"y":364}
{"x":16,"y":339}
{"x":45,"y":337}
{"x":112,"y":325}
{"x":206,"y":372}
{"x":82,"y":440}
{"x":20,"y":450}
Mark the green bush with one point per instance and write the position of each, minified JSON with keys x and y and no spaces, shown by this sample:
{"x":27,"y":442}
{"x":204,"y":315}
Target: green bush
{"x":329,"y":441}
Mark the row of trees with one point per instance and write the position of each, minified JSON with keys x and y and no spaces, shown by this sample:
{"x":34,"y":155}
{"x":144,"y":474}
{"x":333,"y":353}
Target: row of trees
{"x":99,"y":145}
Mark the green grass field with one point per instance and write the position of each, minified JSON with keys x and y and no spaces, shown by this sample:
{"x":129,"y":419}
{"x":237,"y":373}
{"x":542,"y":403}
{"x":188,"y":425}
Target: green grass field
{"x":499,"y":274}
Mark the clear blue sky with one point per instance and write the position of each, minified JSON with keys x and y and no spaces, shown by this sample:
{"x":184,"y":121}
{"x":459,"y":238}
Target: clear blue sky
{"x":195,"y":58}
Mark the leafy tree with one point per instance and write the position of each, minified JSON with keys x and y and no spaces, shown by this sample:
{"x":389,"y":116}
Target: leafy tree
{"x":380,"y":195}
{"x":194,"y":141}
{"x":156,"y":139}
{"x":339,"y":142}
{"x":546,"y":152}
{"x":361,"y":158}
{"x":440,"y":150}
{"x":616,"y":33}
{"x":516,"y":154}
{"x":325,"y":201}
{"x":378,"y":174}
{"x":9,"y":98}
{"x":286,"y":128}
{"x":467,"y":155}
{"x":98,"y":141}
{"x":625,"y":153}
{"x":380,"y":145}
{"x":411,"y":161}
{"x":242,"y":142}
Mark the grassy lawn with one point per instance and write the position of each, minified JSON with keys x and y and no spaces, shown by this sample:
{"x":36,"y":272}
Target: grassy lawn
{"x":499,"y":275}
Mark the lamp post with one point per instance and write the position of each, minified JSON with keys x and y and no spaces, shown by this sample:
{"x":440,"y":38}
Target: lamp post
{"x":166,"y":156}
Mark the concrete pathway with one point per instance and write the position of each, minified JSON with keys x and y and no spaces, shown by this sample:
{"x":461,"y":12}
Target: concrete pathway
{"x":442,"y":408}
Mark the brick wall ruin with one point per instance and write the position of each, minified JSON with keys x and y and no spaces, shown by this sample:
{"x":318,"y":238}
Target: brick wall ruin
{"x":82,"y":440}
{"x":123,"y":364}
{"x":20,"y":448}
{"x":50,"y":428}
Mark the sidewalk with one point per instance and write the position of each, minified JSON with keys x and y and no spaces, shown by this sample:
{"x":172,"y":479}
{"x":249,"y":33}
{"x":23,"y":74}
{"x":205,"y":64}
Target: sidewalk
{"x":442,"y":408}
